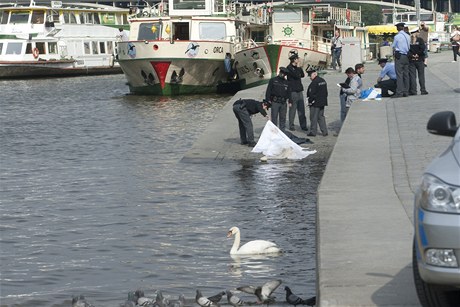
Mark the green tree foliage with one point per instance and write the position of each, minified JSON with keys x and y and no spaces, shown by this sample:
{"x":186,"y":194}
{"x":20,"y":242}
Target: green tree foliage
{"x":371,"y":14}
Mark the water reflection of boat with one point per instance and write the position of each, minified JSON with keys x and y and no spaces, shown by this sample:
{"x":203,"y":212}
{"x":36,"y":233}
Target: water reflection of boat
{"x":179,"y":47}
{"x":271,"y":33}
{"x":60,"y":39}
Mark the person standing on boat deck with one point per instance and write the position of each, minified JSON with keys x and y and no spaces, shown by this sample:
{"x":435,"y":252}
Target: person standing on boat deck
{"x":317,"y":100}
{"x":336,"y":50}
{"x":277,"y":94}
{"x":243,"y":109}
{"x":122,"y":36}
{"x":296,"y":102}
{"x":401,"y":46}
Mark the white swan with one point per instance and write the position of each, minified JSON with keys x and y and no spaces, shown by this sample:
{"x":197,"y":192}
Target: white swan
{"x":252,"y":247}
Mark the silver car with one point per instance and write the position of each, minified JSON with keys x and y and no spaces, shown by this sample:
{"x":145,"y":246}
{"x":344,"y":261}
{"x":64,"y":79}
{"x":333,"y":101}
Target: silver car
{"x":436,"y":249}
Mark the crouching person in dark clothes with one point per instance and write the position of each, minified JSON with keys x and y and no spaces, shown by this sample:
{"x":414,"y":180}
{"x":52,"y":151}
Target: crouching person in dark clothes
{"x":243,"y":109}
{"x":317,"y":100}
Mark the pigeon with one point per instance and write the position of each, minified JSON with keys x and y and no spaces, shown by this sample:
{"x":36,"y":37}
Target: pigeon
{"x":234,"y":300}
{"x":263,"y":292}
{"x":180,"y":302}
{"x":204,"y":301}
{"x":293,"y":299}
{"x":80,"y":301}
{"x":160,"y":300}
{"x":216,"y":298}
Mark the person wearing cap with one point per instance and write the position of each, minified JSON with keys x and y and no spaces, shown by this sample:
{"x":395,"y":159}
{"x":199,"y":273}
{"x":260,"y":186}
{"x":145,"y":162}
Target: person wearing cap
{"x":401,"y":45}
{"x":388,"y":70}
{"x":417,"y":64}
{"x":296,"y":102}
{"x":317,"y":100}
{"x":277,"y":94}
{"x":336,"y":49}
{"x":243,"y":110}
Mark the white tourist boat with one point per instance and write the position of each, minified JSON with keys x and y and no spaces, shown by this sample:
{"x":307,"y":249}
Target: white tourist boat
{"x":179,"y":47}
{"x":271,"y":33}
{"x":52,"y":38}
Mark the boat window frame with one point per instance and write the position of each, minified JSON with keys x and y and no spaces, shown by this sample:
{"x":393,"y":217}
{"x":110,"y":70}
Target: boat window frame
{"x":1,"y":48}
{"x":287,"y":11}
{"x":41,"y":46}
{"x":23,"y":20}
{"x":204,"y":32}
{"x":102,"y":48}
{"x":4,"y":16}
{"x":94,"y":47}
{"x":52,"y":48}
{"x":70,"y":17}
{"x":87,"y":47}
{"x":110,"y":47}
{"x":143,"y":31}
{"x":9,"y":45}
{"x":38,"y":17}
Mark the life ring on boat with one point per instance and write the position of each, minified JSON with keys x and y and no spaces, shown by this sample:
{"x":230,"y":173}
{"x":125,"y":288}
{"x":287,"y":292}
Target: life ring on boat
{"x":35,"y":52}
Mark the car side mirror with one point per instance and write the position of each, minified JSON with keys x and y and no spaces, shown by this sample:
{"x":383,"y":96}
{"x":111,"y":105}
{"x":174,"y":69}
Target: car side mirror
{"x":442,"y":123}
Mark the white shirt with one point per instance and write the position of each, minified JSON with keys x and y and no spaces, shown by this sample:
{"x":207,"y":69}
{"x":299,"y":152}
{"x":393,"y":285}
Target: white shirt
{"x":122,"y":36}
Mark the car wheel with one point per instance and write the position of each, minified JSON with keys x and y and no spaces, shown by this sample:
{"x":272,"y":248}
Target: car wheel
{"x":431,"y":295}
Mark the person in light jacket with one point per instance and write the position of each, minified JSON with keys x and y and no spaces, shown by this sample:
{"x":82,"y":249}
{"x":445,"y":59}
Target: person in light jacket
{"x":354,"y":90}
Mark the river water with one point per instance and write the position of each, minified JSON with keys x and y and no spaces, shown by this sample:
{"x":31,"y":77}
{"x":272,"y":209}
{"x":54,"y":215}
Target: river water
{"x":96,"y":202}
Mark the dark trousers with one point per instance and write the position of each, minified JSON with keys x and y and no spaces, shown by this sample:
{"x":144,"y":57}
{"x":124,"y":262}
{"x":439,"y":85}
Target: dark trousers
{"x":402,"y":75}
{"x":297,"y":104}
{"x":416,"y":68}
{"x":387,"y":85}
{"x":455,"y":49}
{"x":279,"y":111}
{"x":317,"y":118}
{"x":244,"y":123}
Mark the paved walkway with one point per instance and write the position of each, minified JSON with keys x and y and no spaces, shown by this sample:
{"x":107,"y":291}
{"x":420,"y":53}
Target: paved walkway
{"x":364,"y":228}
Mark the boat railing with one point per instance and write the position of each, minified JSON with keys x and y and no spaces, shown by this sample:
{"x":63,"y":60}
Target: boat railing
{"x":245,"y":44}
{"x":336,"y":15}
{"x":156,"y":10}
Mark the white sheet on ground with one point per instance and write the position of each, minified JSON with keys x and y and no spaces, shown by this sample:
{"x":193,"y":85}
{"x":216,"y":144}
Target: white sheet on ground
{"x":274,"y":144}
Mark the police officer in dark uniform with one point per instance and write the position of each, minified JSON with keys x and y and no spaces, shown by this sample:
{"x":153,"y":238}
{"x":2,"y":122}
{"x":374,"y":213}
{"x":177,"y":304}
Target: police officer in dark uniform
{"x":243,"y":109}
{"x":278,"y":93}
{"x":296,"y":102}
{"x":317,"y":100}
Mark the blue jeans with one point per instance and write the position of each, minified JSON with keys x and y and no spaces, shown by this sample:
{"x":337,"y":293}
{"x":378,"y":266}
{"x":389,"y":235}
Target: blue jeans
{"x":336,"y":57}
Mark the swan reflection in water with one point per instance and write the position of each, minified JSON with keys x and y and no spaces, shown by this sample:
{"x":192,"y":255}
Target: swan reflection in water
{"x":253,"y":264}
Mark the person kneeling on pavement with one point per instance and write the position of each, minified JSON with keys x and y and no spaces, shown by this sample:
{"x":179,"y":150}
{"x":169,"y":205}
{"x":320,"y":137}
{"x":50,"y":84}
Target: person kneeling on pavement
{"x":388,"y":69}
{"x":244,"y":109}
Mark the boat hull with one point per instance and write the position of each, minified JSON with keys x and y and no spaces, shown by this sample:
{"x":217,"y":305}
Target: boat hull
{"x":256,"y":66}
{"x":33,"y":69}
{"x":165,"y":68}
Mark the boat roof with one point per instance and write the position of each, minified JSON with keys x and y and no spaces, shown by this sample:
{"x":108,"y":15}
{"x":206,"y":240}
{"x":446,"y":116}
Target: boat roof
{"x":66,"y":6}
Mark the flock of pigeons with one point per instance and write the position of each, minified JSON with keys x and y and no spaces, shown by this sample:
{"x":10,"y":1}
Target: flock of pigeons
{"x":263,"y":294}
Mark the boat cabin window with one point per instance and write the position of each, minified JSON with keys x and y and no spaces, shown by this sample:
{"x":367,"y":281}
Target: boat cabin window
{"x":1,"y":48}
{"x":4,"y":17}
{"x":19,"y":17}
{"x":212,"y":30}
{"x":181,"y":31}
{"x":41,"y":47}
{"x":258,"y":36}
{"x":52,"y":48}
{"x":102,"y":47}
{"x":149,"y":31}
{"x":29,"y":48}
{"x":305,"y":16}
{"x":109,"y":47}
{"x":219,"y":6}
{"x":287,"y":15}
{"x":109,"y":19}
{"x":38,"y":17}
{"x":55,"y":16}
{"x":95,"y":50}
{"x":14,"y":48}
{"x":69,"y":17}
{"x":189,"y":5}
{"x":87,"y":47}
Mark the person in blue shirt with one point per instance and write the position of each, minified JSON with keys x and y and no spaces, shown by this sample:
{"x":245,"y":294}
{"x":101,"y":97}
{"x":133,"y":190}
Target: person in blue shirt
{"x":401,"y":45}
{"x":388,"y":70}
